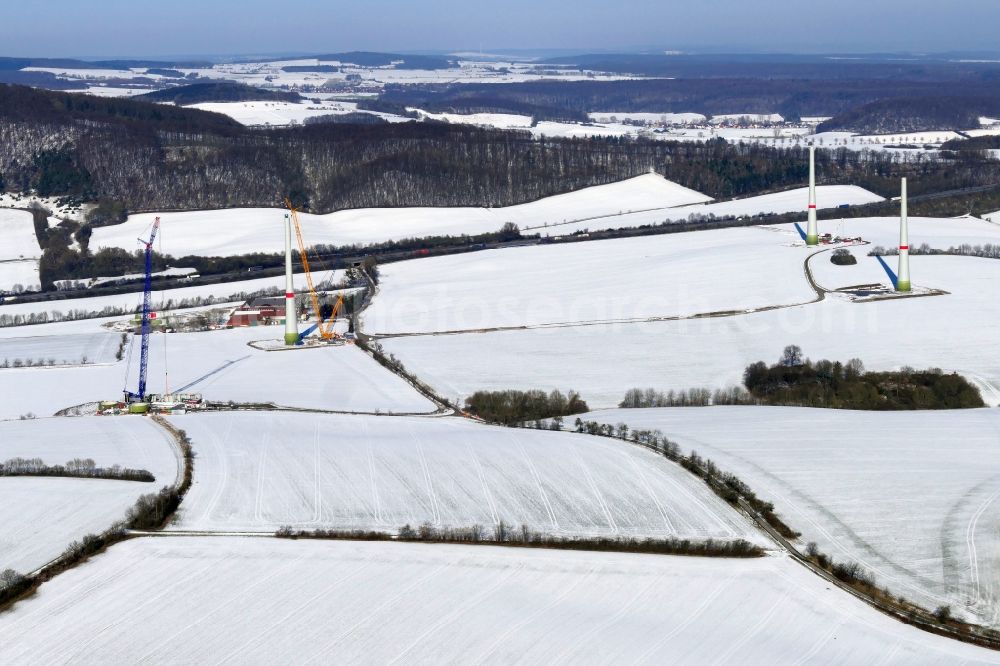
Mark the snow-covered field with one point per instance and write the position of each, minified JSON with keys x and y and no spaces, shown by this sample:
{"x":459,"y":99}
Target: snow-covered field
{"x":42,"y":515}
{"x":789,"y":201}
{"x":95,"y":74}
{"x":853,"y":141}
{"x":218,"y":364}
{"x":913,"y":496}
{"x":649,"y":118}
{"x":631,"y":278}
{"x":724,"y":118}
{"x":285,"y":113}
{"x":499,"y":120}
{"x":19,"y":249}
{"x":138,"y":277}
{"x":135,"y":443}
{"x":96,"y":345}
{"x":241,"y":230}
{"x":258,"y":601}
{"x":19,"y":200}
{"x":956,"y":331}
{"x":259,"y":471}
{"x":114,"y":91}
{"x":24,"y":273}
{"x":18,"y":233}
{"x":985,"y":131}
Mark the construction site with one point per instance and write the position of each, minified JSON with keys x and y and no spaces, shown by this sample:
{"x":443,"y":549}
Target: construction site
{"x":313,"y":318}
{"x":324,"y":321}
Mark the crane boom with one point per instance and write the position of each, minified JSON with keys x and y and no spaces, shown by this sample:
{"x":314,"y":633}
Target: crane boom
{"x":325,"y":327}
{"x":140,"y":394}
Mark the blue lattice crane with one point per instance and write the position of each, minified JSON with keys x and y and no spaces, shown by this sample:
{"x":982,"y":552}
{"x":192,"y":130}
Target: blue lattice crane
{"x":140,"y":394}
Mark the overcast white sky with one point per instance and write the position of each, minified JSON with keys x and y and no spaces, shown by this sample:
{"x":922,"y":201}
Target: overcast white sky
{"x":176,"y":27}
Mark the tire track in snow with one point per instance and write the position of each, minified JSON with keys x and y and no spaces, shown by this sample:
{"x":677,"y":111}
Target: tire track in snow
{"x":889,"y":655}
{"x":261,"y":462}
{"x":458,"y":610}
{"x":378,"y":609}
{"x":317,"y":480}
{"x":166,"y":641}
{"x":92,"y":638}
{"x":298,"y":609}
{"x":376,"y":501}
{"x":891,"y":571}
{"x":482,"y":480}
{"x":599,"y":496}
{"x":564,"y":656}
{"x":62,"y":603}
{"x":432,"y":495}
{"x":692,"y":616}
{"x":809,"y":656}
{"x":970,"y":541}
{"x":680,"y":486}
{"x":758,"y":627}
{"x":538,"y":481}
{"x":649,"y":491}
{"x":526,"y":620}
{"x":223,"y":466}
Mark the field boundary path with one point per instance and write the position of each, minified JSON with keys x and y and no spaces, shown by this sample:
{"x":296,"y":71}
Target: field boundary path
{"x":820,"y":295}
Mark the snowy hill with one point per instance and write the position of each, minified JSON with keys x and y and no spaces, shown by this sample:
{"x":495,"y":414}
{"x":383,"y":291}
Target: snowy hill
{"x":237,"y":231}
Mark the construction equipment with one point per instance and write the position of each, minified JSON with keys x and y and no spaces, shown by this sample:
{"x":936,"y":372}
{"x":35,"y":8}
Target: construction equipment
{"x":332,"y":317}
{"x":139,"y":397}
{"x":323,"y":325}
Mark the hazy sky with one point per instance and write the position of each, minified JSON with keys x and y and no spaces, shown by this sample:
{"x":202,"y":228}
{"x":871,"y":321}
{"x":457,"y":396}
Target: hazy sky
{"x":206,"y":27}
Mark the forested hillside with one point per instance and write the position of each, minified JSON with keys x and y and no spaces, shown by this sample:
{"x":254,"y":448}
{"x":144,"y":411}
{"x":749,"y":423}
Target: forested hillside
{"x":153,"y":157}
{"x":792,"y":98}
{"x":906,"y":114}
{"x":217,"y":91}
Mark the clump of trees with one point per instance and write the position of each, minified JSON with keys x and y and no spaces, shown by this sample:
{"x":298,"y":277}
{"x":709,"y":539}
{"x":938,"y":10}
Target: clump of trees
{"x":797,"y":381}
{"x":512,"y":407}
{"x":12,"y":586}
{"x":84,"y":468}
{"x":695,"y":397}
{"x":107,"y":212}
{"x":843,"y":257}
{"x":152,"y":510}
{"x":851,"y":573}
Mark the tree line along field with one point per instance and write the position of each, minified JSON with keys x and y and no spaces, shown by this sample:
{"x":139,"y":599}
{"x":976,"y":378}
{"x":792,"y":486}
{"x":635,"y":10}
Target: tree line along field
{"x":911,"y":496}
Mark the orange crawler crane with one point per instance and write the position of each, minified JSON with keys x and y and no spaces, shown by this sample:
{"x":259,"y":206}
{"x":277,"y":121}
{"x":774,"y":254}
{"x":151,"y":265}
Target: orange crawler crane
{"x":324,"y":326}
